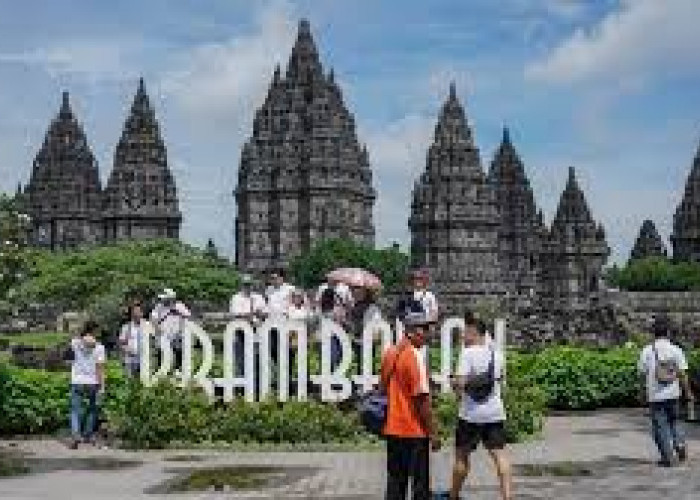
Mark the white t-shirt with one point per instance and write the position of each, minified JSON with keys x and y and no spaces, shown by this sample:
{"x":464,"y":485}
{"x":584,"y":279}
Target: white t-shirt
{"x":474,"y":360}
{"x":429,"y":303}
{"x":132,"y":333}
{"x":298,"y":313}
{"x":424,"y":386}
{"x":170,"y":321}
{"x":278,"y":299}
{"x":85,"y":361}
{"x":243,"y":304}
{"x":666,"y":351}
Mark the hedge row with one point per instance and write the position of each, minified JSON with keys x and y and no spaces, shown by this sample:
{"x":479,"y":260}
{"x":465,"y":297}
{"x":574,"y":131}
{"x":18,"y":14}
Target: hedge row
{"x":36,"y":402}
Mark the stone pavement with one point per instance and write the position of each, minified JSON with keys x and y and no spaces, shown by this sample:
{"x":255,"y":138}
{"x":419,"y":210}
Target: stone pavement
{"x":611,"y":457}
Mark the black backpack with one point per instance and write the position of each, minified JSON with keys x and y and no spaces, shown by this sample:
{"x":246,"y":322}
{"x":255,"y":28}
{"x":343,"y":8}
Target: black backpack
{"x":328,"y":299}
{"x":479,"y":387}
{"x":406,"y":305}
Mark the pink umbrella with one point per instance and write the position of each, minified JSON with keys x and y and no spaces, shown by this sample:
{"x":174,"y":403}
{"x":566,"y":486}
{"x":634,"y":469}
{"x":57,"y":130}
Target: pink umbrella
{"x":355,"y":276}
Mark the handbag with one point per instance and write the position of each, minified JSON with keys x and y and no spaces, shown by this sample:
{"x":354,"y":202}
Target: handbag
{"x":374,"y":405}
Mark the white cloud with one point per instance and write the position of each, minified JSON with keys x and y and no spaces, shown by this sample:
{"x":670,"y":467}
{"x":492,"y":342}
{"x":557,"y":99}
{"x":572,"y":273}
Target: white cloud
{"x":226,"y":81}
{"x":92,"y":61}
{"x":643,"y":38}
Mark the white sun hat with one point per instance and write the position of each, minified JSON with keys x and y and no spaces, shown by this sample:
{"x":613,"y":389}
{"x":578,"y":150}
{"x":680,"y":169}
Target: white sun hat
{"x":167,"y":293}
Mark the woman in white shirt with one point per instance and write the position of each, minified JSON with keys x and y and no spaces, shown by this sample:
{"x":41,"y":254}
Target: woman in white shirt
{"x":131,"y":339}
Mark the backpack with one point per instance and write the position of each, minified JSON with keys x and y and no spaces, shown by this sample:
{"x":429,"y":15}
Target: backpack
{"x":328,"y":299}
{"x":666,"y":370}
{"x":479,"y":387}
{"x":407,"y":304}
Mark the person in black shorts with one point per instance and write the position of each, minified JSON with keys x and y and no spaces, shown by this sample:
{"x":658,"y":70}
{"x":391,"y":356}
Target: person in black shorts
{"x":482,"y":414}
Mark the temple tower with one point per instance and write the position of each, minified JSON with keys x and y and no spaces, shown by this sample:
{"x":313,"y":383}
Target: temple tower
{"x":648,"y":243}
{"x":522,"y":229}
{"x":686,"y":221}
{"x":63,"y":193}
{"x":303,"y":175}
{"x":140,"y":200}
{"x":575,"y":252}
{"x":454,"y":220}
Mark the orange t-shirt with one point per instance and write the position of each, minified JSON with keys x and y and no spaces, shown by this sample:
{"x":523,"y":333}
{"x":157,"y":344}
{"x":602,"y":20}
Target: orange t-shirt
{"x":408,"y":380}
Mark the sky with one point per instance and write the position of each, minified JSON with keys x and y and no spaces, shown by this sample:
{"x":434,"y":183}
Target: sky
{"x":610,"y":87}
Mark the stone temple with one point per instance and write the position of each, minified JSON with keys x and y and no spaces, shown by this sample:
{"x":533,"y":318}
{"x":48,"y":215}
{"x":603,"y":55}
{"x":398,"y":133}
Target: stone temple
{"x":482,"y":237}
{"x":303,"y":174}
{"x":454,"y":218}
{"x":648,"y":243}
{"x":686,"y":221}
{"x":64,"y":195}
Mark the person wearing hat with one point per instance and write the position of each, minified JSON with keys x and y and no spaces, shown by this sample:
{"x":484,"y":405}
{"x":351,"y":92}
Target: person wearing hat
{"x":664,"y":367}
{"x":409,"y":429}
{"x":87,"y":380}
{"x":168,"y":318}
{"x":248,"y":305}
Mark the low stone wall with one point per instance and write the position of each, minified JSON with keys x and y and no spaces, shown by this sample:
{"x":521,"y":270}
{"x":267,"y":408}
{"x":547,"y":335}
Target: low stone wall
{"x":641,"y":307}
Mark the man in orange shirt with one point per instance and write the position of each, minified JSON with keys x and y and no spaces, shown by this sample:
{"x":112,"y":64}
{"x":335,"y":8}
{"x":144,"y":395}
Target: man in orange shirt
{"x":409,"y":427}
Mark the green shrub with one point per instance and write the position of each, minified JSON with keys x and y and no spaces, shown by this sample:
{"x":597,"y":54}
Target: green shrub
{"x":153,"y":417}
{"x":389,"y":264}
{"x":656,"y":274}
{"x":584,"y":379}
{"x":32,"y":401}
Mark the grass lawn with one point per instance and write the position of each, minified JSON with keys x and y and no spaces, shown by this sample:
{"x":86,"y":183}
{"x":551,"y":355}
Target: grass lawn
{"x":40,"y":339}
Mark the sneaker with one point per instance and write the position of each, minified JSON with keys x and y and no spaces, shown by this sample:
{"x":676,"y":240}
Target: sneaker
{"x":682,"y":454}
{"x":664,"y":463}
{"x":74,"y":443}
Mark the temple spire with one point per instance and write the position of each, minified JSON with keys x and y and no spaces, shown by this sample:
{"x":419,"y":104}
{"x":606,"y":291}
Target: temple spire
{"x":453,"y":91}
{"x":452,"y":124}
{"x":572,"y":208}
{"x":648,"y":243}
{"x":65,"y":110}
{"x":304,"y":63}
{"x":506,"y":135}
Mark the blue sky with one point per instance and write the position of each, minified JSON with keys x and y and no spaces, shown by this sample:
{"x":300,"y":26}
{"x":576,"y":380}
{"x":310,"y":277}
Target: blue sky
{"x":608,"y":86}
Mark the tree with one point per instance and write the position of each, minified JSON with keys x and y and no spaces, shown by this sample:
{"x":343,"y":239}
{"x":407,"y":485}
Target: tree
{"x":389,"y":264}
{"x":102,"y":279}
{"x":14,"y":230}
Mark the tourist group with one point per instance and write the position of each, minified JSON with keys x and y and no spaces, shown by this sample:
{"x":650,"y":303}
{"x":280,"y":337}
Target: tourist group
{"x":406,"y":422}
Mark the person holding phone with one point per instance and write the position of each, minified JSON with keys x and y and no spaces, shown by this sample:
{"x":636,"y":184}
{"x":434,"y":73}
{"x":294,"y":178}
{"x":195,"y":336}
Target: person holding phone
{"x":87,"y":381}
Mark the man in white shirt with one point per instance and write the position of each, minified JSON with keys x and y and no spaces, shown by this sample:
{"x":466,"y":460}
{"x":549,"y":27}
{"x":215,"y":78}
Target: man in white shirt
{"x":482,"y":413}
{"x":168,"y":318}
{"x":419,"y":286}
{"x":665,"y":369}
{"x":87,"y":380}
{"x":279,"y":297}
{"x":248,"y":306}
{"x":278,"y":294}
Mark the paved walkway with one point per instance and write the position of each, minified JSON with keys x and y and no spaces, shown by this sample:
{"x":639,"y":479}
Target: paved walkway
{"x":611,"y":452}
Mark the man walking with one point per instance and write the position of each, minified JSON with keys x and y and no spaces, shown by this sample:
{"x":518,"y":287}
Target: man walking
{"x":482,"y":413}
{"x":409,"y":427}
{"x":665,"y":367}
{"x":87,"y":380}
